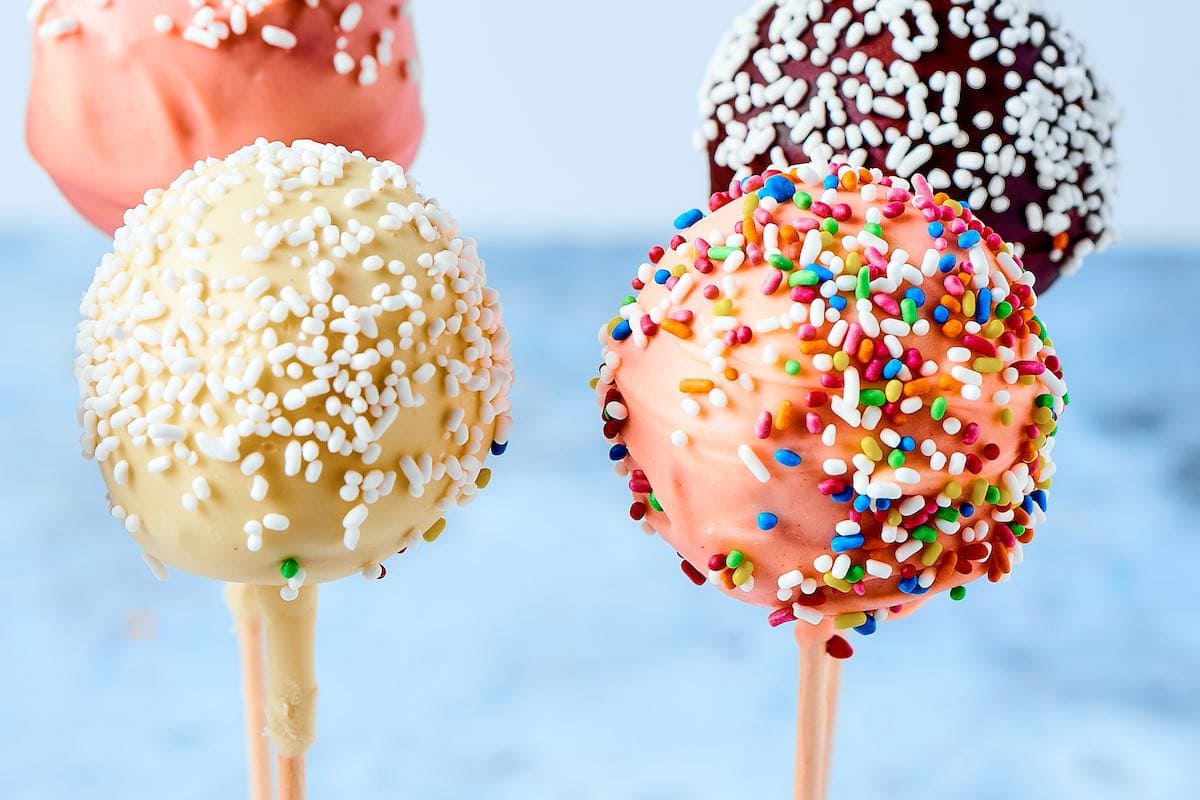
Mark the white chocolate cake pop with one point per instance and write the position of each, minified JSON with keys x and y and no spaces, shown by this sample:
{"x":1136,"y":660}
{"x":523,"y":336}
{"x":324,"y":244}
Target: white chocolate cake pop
{"x":290,"y":367}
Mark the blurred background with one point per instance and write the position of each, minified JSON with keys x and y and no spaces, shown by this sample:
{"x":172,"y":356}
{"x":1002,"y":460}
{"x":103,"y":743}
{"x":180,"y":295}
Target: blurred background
{"x":544,"y":647}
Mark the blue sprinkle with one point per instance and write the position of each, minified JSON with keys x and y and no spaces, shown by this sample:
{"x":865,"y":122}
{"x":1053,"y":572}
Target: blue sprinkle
{"x":662,"y":276}
{"x":907,"y":585}
{"x":498,"y":448}
{"x":862,"y":503}
{"x":892,"y":368}
{"x":767,"y":520}
{"x":907,"y":444}
{"x":868,"y":627}
{"x":941,"y":314}
{"x":883,"y":504}
{"x":622,"y":330}
{"x":831,"y":182}
{"x":779,"y":187}
{"x":844,"y":495}
{"x":1040,"y":497}
{"x":916,"y":295}
{"x":969,"y":240}
{"x":1027,"y":504}
{"x":967,"y":510}
{"x":838,"y":302}
{"x":618,"y":452}
{"x":822,"y":273}
{"x":688,"y":218}
{"x":841,"y":544}
{"x":947,"y":262}
{"x":983,"y":306}
{"x":789,"y":458}
{"x":936,"y":229}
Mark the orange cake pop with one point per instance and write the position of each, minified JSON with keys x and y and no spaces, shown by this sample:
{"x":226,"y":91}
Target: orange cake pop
{"x":126,"y":95}
{"x":832,"y":396}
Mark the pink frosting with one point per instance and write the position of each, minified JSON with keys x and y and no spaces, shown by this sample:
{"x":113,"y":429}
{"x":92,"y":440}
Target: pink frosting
{"x":117,"y":107}
{"x":711,"y":499}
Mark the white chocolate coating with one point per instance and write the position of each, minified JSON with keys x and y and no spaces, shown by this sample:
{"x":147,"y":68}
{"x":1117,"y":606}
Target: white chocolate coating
{"x":290,"y":354}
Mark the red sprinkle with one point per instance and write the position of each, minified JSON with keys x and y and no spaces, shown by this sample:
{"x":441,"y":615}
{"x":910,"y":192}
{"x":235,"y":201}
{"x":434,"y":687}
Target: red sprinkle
{"x":838,"y":647}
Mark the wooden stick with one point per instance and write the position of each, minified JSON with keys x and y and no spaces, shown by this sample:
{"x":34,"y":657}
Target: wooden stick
{"x":291,"y":681}
{"x":291,"y":777}
{"x":817,"y":706}
{"x":248,"y":625}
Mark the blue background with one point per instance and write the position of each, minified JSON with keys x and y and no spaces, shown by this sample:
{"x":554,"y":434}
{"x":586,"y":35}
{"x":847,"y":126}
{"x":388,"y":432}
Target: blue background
{"x":544,"y":647}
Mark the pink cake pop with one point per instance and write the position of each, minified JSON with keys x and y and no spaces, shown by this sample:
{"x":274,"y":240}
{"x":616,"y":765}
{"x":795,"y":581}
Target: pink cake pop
{"x":127,"y":95}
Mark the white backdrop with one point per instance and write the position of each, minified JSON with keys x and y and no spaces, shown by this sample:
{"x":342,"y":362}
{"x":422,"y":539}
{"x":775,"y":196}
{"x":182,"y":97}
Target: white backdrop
{"x":574,"y":119}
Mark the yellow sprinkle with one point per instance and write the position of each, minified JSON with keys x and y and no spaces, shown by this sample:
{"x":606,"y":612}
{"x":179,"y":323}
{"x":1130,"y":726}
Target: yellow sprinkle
{"x":841,"y":360}
{"x":993,"y":329}
{"x":853,"y":263}
{"x":435,"y":530}
{"x":1005,"y":498}
{"x":836,"y":583}
{"x":1042,"y":414}
{"x":749,"y":203}
{"x":742,"y":574}
{"x":988,"y":365}
{"x":893,"y":390}
{"x":851,"y":619}
{"x":593,"y":383}
{"x":484,"y":478}
{"x":931,"y":553}
{"x":894,"y":517}
{"x":1006,"y":416}
{"x":612,"y":323}
{"x":723,"y":307}
{"x":978,"y":491}
{"x":678,"y":270}
{"x":826,"y":240}
{"x":953,"y":490}
{"x":968,"y":304}
{"x":870,"y":448}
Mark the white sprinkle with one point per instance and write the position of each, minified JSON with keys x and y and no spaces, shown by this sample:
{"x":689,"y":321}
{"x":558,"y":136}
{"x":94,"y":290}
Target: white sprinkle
{"x":752,"y":462}
{"x":278,"y":37}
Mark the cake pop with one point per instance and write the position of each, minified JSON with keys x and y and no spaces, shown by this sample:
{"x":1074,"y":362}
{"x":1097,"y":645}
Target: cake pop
{"x":126,"y":95}
{"x":993,"y":102}
{"x":290,"y":368}
{"x":833,"y":398}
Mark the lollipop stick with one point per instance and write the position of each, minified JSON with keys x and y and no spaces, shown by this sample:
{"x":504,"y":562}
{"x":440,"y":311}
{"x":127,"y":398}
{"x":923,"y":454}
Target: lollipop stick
{"x":248,"y":624}
{"x":819,"y":677}
{"x":291,"y":681}
{"x":291,"y":777}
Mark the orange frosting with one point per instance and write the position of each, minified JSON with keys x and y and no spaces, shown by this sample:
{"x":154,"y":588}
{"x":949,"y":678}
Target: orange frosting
{"x":710,"y":374}
{"x":126,"y":95}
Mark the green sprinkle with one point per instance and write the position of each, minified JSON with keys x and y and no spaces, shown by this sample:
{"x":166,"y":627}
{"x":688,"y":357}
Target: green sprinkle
{"x":1004,"y":310}
{"x":855,"y":574}
{"x":863,"y":292}
{"x":896,"y":459}
{"x":958,"y":593}
{"x":657,"y":506}
{"x":289,"y":568}
{"x":804,"y":277}
{"x":992,"y":495}
{"x":1044,"y":401}
{"x":938,"y":409}
{"x":1066,"y":398}
{"x":1017,"y":529}
{"x":780,"y":261}
{"x":872,"y":397}
{"x":735,"y":559}
{"x":875,"y":228}
{"x":830,"y":225}
{"x":947,"y":514}
{"x":791,"y":366}
{"x":628,"y":299}
{"x":803,"y":200}
{"x":908,"y":311}
{"x":721,"y":252}
{"x":925,"y":533}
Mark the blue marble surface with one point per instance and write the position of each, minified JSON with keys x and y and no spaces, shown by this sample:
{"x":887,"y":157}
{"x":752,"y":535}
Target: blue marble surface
{"x":544,"y":648}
